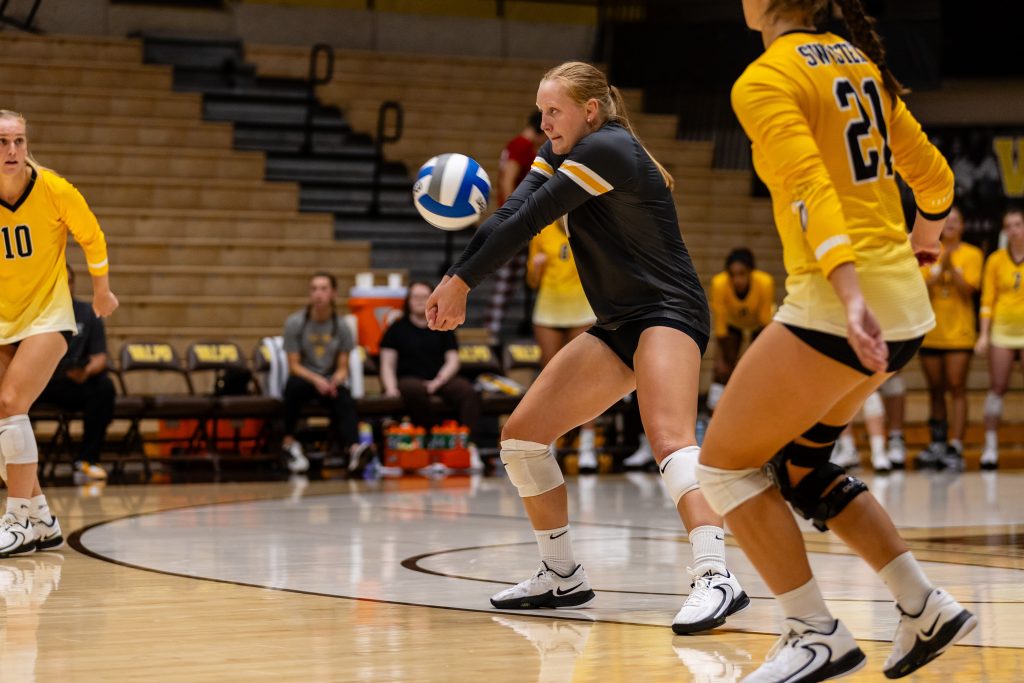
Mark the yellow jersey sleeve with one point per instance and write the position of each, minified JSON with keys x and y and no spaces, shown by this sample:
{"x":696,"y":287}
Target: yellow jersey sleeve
{"x":972,"y":265}
{"x":920,"y":164}
{"x":767,"y":104}
{"x":79,"y":219}
{"x":766,"y":283}
{"x":989,"y":285}
{"x":719,"y":304}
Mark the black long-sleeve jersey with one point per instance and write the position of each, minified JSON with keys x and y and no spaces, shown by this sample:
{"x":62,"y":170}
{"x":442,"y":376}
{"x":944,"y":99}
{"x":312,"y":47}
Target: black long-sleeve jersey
{"x":622,"y":227}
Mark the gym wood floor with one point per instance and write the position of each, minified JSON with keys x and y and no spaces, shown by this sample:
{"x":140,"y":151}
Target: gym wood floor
{"x":354,"y":581}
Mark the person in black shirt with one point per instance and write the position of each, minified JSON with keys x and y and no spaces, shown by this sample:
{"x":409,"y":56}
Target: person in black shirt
{"x":81,"y":383}
{"x":652,"y":328}
{"x":417,"y":363}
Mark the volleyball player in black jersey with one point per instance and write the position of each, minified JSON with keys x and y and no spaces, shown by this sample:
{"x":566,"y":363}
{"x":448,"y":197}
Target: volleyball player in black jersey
{"x":652,"y":329}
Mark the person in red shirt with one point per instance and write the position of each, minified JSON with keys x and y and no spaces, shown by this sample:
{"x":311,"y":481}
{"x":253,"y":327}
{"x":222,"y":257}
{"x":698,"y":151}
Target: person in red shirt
{"x":517,"y":157}
{"x":515,"y":163}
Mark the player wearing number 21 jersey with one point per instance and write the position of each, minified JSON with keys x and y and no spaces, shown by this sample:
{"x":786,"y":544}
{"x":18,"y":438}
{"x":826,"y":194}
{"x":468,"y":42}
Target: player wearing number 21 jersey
{"x":813,"y":101}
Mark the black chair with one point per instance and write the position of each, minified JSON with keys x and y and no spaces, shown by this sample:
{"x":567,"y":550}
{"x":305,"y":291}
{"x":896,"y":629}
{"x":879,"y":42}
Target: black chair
{"x":174,"y":398}
{"x":232,"y":403}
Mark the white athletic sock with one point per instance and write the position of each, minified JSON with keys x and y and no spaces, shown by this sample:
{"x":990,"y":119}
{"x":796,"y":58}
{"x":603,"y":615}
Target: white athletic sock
{"x":587,"y":439}
{"x":708,"y":549}
{"x":958,"y":445}
{"x":556,"y":549}
{"x":991,"y":440}
{"x":907,"y":583}
{"x":847,"y":443}
{"x":40,"y":510}
{"x":895,"y":433}
{"x":19,"y":507}
{"x":806,"y":604}
{"x":877,"y":446}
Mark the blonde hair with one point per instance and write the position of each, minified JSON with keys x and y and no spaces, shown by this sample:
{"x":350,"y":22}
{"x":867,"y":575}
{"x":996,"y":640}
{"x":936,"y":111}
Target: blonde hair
{"x":8,"y":114}
{"x":585,"y":82}
{"x":861,"y":27}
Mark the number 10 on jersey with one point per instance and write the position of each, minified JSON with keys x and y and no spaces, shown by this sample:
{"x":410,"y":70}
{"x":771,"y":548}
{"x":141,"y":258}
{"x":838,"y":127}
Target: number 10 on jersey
{"x":17,"y":242}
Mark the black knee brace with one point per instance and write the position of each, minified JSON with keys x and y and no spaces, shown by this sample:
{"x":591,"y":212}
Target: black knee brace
{"x":808,"y":498}
{"x":823,"y":433}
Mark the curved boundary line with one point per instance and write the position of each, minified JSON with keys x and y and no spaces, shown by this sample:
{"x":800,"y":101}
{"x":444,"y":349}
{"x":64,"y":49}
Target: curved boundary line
{"x":75,"y":541}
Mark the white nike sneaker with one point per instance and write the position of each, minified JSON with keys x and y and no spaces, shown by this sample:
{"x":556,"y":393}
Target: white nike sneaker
{"x":48,"y":535}
{"x":547,"y":589}
{"x":16,"y":538}
{"x":803,"y":654}
{"x":922,"y":637}
{"x":896,"y":451}
{"x":642,"y":456}
{"x":295,"y":459}
{"x":712,"y":598}
{"x":587,"y":453}
{"x":844,"y":457}
{"x":989,"y":459}
{"x":880,"y":462}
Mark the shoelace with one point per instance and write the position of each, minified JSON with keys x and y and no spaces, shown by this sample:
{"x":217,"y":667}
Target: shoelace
{"x":7,"y":521}
{"x":788,"y":636}
{"x":702,"y":582}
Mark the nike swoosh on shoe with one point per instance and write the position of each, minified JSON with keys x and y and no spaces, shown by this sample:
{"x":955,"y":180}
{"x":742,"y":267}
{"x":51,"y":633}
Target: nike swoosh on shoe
{"x":559,"y":591}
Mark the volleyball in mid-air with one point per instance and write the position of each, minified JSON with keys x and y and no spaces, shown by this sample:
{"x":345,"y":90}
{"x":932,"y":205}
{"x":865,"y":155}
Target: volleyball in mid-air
{"x":451,"y":191}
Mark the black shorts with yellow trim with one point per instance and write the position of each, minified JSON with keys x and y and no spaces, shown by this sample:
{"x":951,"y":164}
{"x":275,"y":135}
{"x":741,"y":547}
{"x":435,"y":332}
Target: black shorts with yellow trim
{"x":838,"y":349}
{"x":625,"y":340}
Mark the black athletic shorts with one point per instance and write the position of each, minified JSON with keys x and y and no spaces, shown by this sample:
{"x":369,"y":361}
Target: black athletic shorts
{"x":624,"y":340}
{"x":942,"y":352}
{"x":64,"y":333}
{"x":838,"y":349}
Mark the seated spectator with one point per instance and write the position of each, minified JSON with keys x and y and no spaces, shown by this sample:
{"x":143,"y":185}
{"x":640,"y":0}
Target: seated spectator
{"x":318,"y":342}
{"x":81,"y":383}
{"x":417,"y":363}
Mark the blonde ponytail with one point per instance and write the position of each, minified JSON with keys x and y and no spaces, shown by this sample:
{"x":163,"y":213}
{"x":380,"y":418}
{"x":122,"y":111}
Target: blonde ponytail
{"x":585,"y":82}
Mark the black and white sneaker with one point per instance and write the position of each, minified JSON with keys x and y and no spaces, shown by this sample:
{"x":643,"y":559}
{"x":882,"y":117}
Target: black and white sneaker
{"x":712,"y":598}
{"x":16,"y":538}
{"x":48,"y":535}
{"x":805,"y":655}
{"x":922,"y":637}
{"x":547,"y":589}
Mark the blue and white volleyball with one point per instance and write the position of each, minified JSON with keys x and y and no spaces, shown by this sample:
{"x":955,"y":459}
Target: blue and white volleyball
{"x":451,"y":191}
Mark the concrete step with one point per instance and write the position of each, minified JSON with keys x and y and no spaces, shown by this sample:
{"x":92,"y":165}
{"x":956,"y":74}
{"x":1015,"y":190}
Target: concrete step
{"x":148,"y":162}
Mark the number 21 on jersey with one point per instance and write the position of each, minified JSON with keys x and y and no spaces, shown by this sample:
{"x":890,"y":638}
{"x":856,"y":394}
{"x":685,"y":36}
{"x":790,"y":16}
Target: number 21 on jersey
{"x":17,"y":242}
{"x":867,"y":162}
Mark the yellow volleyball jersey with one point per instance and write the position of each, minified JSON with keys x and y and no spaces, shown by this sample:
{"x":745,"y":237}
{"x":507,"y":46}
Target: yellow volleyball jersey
{"x":1002,"y":299}
{"x":955,"y":326}
{"x":33,"y":238}
{"x":561,"y":301}
{"x":750,"y":313}
{"x":828,"y":140}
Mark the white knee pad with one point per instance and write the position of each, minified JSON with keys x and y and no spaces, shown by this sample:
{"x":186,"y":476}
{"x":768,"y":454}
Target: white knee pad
{"x":726,"y":490}
{"x":679,"y":472}
{"x":873,"y":407}
{"x":531,"y":467}
{"x":993,"y":405}
{"x":893,"y":387}
{"x":714,"y":395}
{"x":17,"y":443}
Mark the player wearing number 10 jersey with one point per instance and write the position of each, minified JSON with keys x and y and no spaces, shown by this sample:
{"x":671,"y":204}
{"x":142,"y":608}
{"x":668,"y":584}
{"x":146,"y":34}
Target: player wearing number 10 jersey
{"x":37,"y":209}
{"x":829,"y":133}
